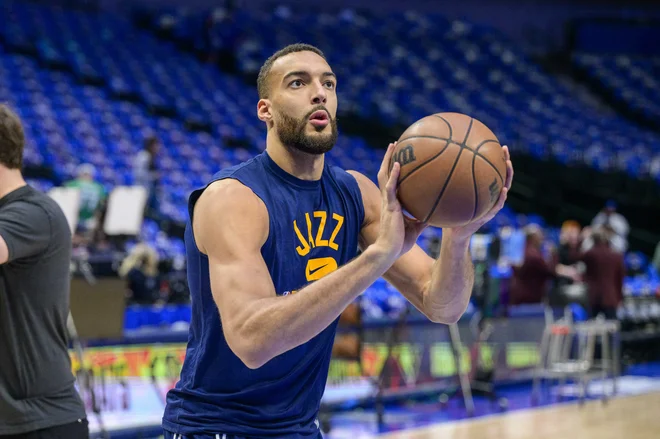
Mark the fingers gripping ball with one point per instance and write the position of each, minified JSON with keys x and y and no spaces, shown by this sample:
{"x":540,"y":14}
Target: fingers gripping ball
{"x":452,"y":169}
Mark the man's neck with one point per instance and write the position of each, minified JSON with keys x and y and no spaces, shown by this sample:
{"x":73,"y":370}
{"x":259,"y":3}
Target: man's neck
{"x":297,"y":163}
{"x":10,"y":180}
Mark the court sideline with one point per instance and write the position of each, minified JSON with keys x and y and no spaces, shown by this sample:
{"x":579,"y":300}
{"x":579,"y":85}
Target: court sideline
{"x":634,"y":417}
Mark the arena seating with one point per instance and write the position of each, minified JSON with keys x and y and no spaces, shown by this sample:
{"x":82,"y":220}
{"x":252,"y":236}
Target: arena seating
{"x":91,"y":87}
{"x":161,"y":78}
{"x":443,"y":66}
{"x":632,"y":80}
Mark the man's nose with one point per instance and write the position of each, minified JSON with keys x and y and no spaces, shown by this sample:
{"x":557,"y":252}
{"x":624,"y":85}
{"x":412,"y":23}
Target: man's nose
{"x":320,"y":95}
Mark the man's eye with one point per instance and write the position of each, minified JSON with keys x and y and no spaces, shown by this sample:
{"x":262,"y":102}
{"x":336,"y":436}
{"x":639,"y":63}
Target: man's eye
{"x":296,"y":83}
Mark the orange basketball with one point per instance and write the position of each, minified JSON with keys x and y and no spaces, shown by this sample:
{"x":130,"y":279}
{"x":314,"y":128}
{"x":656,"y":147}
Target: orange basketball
{"x":452,"y":169}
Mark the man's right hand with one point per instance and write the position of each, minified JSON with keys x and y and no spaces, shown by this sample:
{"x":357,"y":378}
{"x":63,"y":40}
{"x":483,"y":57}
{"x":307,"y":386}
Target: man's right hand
{"x":398,"y":233}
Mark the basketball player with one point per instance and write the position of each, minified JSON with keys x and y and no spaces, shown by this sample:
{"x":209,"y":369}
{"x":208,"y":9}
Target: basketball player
{"x":271,"y":247}
{"x":37,"y":394}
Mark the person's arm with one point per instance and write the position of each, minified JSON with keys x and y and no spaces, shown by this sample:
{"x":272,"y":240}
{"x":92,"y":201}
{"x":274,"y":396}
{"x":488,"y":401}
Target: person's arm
{"x":230,"y":225}
{"x":417,"y":275}
{"x":441,"y":288}
{"x":24,"y":231}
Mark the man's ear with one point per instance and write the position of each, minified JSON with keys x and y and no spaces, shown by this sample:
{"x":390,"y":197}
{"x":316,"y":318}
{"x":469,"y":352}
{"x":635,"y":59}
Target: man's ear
{"x":263,"y":110}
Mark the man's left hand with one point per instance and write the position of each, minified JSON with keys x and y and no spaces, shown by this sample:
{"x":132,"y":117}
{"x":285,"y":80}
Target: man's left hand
{"x":466,"y":231}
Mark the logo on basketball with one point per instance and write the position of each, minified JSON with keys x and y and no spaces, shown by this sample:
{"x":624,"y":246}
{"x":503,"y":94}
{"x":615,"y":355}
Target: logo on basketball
{"x":405,"y":155}
{"x":494,"y":190}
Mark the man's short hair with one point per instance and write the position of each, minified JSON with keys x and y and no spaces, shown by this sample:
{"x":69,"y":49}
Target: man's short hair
{"x":264,"y":72}
{"x":12,"y":138}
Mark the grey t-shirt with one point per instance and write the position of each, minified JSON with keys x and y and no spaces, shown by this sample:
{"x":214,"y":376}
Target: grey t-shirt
{"x":36,"y":383}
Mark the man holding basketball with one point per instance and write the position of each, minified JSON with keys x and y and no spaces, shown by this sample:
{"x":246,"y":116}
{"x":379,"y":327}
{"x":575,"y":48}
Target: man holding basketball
{"x":271,"y":246}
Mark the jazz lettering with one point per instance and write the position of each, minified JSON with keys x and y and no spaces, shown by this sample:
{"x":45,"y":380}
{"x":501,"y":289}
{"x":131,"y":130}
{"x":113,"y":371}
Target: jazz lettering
{"x":318,"y":230}
{"x":312,"y":240}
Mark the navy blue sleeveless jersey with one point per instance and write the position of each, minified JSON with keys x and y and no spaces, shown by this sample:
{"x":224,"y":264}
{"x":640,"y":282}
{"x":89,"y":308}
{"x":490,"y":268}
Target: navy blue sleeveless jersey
{"x":313,"y":230}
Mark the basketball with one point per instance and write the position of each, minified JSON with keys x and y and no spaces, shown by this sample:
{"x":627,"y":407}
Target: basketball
{"x":452,"y":169}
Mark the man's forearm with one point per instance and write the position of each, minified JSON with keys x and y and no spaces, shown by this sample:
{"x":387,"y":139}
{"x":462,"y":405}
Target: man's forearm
{"x":448,"y":292}
{"x":280,"y":324}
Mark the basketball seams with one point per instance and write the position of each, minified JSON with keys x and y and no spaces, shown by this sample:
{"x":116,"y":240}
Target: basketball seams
{"x":451,"y":132}
{"x":476,"y":152}
{"x":450,"y":142}
{"x":474,"y":175}
{"x":444,"y":186}
{"x":494,"y":168}
{"x":476,"y":190}
{"x":427,"y":137}
{"x":451,"y":172}
{"x":426,"y":162}
{"x":464,"y":170}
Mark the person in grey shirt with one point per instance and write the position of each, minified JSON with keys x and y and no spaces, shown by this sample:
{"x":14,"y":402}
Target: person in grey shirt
{"x":38,"y":398}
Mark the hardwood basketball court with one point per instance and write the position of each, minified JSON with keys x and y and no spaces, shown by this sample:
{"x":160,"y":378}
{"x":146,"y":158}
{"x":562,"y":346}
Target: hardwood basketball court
{"x":630,"y":417}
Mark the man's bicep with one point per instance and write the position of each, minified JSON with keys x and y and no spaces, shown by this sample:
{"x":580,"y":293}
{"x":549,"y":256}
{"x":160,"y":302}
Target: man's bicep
{"x":231,"y":226}
{"x":25,"y":231}
{"x":237,"y":283}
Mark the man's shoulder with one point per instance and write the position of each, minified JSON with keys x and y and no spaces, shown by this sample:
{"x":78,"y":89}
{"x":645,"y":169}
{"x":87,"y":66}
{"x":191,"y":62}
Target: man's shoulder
{"x":250,"y":166}
{"x":42,"y":204}
{"x":31,"y":199}
{"x":346,"y":174}
{"x":354,"y":181}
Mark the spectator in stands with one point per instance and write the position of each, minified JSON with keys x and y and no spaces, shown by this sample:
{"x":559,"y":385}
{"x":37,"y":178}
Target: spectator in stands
{"x":616,"y":224}
{"x":604,"y":276}
{"x":569,"y":243}
{"x":568,"y":252}
{"x":140,"y":269}
{"x":616,"y":241}
{"x":530,"y":280}
{"x":92,"y":199}
{"x":145,"y":173}
{"x":656,"y":259}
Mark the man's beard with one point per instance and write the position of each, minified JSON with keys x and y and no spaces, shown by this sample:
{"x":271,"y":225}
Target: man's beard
{"x":292,"y":134}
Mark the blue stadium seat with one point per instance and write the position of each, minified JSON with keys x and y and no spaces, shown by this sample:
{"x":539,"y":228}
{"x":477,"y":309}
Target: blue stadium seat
{"x":632,"y":80}
{"x":108,"y":85}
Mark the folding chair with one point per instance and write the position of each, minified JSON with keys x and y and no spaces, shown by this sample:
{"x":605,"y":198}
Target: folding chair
{"x":562,"y":358}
